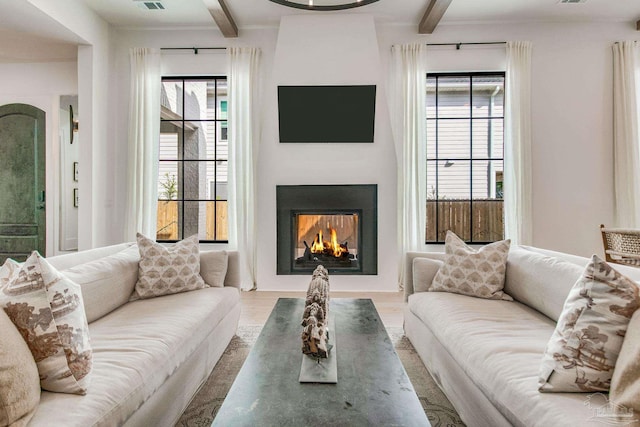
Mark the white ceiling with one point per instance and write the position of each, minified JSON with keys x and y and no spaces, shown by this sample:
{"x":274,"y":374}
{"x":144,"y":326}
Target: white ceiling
{"x":264,"y":13}
{"x":28,"y":34}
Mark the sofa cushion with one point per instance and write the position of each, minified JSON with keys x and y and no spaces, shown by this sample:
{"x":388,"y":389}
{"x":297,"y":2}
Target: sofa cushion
{"x":424,"y":270}
{"x":106,"y":283}
{"x":68,"y":260}
{"x":467,"y":271}
{"x":19,"y":380}
{"x":539,"y":281}
{"x":167,"y":270}
{"x":625,"y":382}
{"x":498,"y":345}
{"x":47,"y":309}
{"x":213,"y":267}
{"x":584,"y":347}
{"x":136,"y":348}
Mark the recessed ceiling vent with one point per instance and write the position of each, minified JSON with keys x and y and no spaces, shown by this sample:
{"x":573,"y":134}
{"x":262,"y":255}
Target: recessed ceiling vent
{"x":572,"y":1}
{"x":149,"y":5}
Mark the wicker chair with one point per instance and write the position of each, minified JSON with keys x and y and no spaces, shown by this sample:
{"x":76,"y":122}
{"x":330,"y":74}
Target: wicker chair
{"x":621,"y":246}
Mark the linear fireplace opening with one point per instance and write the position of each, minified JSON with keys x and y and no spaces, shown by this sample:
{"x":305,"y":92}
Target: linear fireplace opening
{"x":330,"y":225}
{"x":328,"y":239}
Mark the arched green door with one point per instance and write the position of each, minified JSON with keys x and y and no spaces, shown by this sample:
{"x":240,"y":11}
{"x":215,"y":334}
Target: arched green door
{"x":22,"y":181}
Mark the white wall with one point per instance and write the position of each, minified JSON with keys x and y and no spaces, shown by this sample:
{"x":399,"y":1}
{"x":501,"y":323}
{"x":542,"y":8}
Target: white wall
{"x":572,"y":107}
{"x":572,"y":114}
{"x":572,"y":118}
{"x":174,"y":63}
{"x":327,"y":50}
{"x":97,"y":196}
{"x":68,"y":234}
{"x":40,"y":85}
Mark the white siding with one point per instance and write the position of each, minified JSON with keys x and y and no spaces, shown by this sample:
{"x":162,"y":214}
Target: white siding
{"x":457,"y":128}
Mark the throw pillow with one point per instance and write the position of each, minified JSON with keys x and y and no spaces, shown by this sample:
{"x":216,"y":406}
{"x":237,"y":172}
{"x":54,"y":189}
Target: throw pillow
{"x":467,"y":271}
{"x":213,"y":267}
{"x":106,"y":283}
{"x":540,"y":281}
{"x":584,"y":347}
{"x":48,"y":311}
{"x":625,"y":382}
{"x":424,"y":270}
{"x":167,"y":270}
{"x":19,"y":379}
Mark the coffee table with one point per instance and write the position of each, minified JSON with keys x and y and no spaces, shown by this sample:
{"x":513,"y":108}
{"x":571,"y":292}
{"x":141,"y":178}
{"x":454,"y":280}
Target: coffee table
{"x":373,"y":388}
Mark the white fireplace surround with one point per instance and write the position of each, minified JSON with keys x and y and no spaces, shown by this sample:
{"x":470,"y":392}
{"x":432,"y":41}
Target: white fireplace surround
{"x":327,"y":50}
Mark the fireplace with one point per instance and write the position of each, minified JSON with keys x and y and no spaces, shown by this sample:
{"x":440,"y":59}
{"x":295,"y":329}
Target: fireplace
{"x":330,"y":225}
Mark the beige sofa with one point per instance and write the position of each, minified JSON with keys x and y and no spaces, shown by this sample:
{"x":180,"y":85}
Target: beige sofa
{"x":149,"y":356}
{"x":485,"y":354}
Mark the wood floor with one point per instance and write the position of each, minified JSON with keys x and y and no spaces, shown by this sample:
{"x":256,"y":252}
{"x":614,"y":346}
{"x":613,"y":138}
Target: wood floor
{"x":257,"y":305}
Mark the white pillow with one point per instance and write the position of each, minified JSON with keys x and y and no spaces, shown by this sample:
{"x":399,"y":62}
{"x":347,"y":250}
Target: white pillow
{"x":584,"y":347}
{"x":539,"y":281}
{"x":424,"y":270}
{"x":167,"y":270}
{"x":107,"y":283}
{"x":625,"y":382}
{"x":47,"y":309}
{"x":19,"y":380}
{"x":467,"y":271}
{"x":213,"y":267}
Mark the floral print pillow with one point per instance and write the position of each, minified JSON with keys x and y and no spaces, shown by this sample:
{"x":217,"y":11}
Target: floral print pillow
{"x":582,"y":352}
{"x":48,"y":311}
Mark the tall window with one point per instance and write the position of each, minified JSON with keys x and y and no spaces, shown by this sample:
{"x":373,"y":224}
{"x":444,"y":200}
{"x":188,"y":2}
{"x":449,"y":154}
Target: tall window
{"x":192,"y":174}
{"x":465,"y":160}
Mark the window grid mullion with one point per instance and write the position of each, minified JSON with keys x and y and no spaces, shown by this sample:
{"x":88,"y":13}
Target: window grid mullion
{"x":470,"y":158}
{"x":437,"y":161}
{"x":490,"y":158}
{"x":181,"y":211}
{"x":215,"y":161}
{"x":181,"y":161}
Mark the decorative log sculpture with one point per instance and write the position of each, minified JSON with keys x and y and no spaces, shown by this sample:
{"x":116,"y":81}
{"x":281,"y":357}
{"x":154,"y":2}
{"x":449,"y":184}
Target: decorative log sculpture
{"x":316,"y":315}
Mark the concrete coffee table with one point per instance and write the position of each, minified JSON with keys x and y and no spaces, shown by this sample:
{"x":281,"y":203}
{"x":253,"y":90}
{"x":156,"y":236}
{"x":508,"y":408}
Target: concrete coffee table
{"x":372,"y":390}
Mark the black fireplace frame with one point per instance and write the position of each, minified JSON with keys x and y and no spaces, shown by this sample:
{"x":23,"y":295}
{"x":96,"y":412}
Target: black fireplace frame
{"x":327,"y":198}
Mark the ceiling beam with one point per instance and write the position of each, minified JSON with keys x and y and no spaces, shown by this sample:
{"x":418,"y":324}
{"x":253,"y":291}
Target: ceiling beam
{"x":433,"y":15}
{"x":224,"y":20}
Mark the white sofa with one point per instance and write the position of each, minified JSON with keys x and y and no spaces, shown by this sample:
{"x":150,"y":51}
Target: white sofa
{"x":149,"y":356}
{"x":485,"y":354}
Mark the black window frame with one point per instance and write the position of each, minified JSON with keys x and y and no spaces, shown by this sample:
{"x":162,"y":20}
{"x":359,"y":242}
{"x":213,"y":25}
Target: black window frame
{"x":181,"y":161}
{"x":471,"y":159}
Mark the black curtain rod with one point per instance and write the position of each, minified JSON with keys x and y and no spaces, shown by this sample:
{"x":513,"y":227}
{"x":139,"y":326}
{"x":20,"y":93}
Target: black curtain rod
{"x":194,"y":49}
{"x":457,"y":45}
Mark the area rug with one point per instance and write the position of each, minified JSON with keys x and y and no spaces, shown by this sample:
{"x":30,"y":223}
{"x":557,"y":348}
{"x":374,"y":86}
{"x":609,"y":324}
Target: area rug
{"x":204,"y":406}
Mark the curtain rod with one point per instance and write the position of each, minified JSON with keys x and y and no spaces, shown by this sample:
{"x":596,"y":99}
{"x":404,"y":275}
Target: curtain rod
{"x":457,"y":45}
{"x":194,"y":49}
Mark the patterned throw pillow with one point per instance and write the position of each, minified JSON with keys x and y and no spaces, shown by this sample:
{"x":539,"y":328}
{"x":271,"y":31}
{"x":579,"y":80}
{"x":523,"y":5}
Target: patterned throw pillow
{"x":48,"y":311}
{"x":167,"y":270}
{"x":467,"y":271}
{"x":584,"y":347}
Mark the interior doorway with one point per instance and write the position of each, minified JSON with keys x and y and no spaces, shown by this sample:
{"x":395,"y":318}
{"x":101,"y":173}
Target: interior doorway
{"x":22,"y":181}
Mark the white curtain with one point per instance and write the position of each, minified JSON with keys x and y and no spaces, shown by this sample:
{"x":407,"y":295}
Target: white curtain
{"x":518,"y":216}
{"x":144,"y":133}
{"x":244,"y":121}
{"x":407,"y":104}
{"x":626,"y":138}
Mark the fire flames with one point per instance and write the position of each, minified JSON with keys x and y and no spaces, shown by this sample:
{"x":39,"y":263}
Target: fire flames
{"x":331,"y":247}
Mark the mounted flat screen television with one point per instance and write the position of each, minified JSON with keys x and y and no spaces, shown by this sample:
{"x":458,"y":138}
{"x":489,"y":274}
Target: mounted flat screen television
{"x":326,"y":113}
